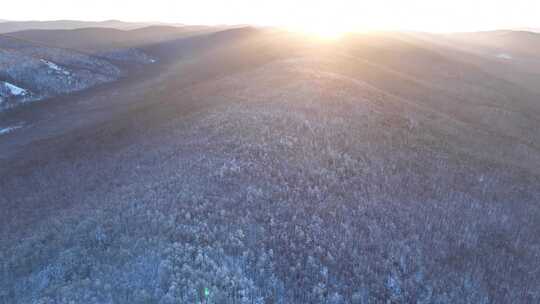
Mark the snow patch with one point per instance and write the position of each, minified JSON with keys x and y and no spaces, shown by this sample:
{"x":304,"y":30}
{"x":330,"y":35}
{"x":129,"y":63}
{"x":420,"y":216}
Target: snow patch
{"x":15,"y":90}
{"x":55,"y":67}
{"x":10,"y":129}
{"x":504,"y":56}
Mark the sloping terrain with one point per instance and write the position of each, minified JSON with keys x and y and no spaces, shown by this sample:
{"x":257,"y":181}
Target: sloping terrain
{"x":262,"y":167}
{"x":510,"y":55}
{"x":30,"y":71}
{"x":43,"y":71}
{"x":47,"y":63}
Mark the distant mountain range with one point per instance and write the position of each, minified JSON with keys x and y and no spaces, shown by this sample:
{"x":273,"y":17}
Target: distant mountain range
{"x":518,"y":43}
{"x":529,"y":29}
{"x":14,"y":26}
{"x":96,"y":39}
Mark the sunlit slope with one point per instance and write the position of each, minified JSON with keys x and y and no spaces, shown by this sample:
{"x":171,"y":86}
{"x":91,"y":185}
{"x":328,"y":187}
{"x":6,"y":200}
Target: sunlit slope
{"x":448,"y":83}
{"x":510,"y":55}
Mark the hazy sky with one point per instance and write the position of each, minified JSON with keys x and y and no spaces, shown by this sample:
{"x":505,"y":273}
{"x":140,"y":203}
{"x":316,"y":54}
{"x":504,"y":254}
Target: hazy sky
{"x":426,"y":15}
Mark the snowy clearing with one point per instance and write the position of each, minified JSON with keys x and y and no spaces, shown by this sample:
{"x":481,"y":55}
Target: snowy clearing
{"x":14,"y":90}
{"x":505,"y":56}
{"x":7,"y":130}
{"x":55,"y":67}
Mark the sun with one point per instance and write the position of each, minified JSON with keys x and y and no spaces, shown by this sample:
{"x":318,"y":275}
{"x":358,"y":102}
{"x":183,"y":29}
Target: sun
{"x":325,"y":20}
{"x":322,"y":31}
{"x":327,"y":33}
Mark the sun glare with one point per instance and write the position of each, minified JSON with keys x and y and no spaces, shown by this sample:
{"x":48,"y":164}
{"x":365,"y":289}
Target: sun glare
{"x":325,"y":33}
{"x":325,"y":20}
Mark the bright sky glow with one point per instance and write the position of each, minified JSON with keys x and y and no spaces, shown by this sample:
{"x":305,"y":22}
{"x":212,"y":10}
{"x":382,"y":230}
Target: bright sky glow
{"x":324,"y":17}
